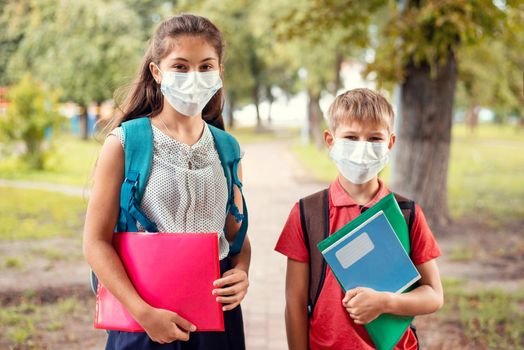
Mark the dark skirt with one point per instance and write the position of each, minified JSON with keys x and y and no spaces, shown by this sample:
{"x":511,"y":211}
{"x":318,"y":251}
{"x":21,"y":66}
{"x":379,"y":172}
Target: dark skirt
{"x":231,"y":339}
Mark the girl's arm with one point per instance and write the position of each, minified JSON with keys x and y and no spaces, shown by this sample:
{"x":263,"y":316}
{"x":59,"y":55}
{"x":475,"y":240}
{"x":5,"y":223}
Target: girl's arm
{"x":101,"y":217}
{"x":365,"y":304}
{"x":232,"y":288}
{"x":232,"y":226}
{"x":297,"y":289}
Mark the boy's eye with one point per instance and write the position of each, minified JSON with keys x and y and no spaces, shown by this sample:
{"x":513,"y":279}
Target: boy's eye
{"x":375,"y":139}
{"x":352,"y":138}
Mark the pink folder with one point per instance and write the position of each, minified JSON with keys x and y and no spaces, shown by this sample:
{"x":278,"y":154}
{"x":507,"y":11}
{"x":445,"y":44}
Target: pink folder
{"x":172,"y":271}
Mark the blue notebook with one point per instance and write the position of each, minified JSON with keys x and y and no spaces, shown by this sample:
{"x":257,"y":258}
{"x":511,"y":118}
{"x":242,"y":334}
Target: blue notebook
{"x":371,"y":256}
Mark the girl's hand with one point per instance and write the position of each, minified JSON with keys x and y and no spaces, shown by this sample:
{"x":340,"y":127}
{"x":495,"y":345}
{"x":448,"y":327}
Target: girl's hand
{"x":164,"y":326}
{"x":364,"y":304}
{"x":231,"y":288}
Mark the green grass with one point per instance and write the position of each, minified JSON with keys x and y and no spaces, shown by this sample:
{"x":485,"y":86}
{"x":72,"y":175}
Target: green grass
{"x":463,"y":253}
{"x":18,"y":323}
{"x":27,"y":323}
{"x":491,"y":318}
{"x":73,"y":160}
{"x":248,"y":135}
{"x":71,"y":163}
{"x":485,"y":172}
{"x":13,"y":262}
{"x":36,"y":214}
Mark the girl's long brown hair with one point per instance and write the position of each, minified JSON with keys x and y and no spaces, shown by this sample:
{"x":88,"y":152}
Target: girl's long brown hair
{"x":144,"y":96}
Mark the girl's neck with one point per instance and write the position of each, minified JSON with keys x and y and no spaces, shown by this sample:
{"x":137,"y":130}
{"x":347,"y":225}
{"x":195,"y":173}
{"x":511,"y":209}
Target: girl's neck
{"x":180,"y":127}
{"x":362,"y":194}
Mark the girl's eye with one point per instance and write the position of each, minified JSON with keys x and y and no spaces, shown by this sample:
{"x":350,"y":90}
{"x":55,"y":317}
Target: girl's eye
{"x":179,"y":67}
{"x":206,"y":67}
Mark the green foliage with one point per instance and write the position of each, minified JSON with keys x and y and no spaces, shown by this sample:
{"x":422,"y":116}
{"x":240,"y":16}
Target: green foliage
{"x":490,"y":73}
{"x":80,"y":47}
{"x":31,"y":113}
{"x":491,"y":318}
{"x":35,"y":214}
{"x":426,"y":32}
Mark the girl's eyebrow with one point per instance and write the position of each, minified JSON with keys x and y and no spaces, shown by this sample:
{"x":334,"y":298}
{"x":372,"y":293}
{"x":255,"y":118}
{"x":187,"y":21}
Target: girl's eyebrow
{"x":186,"y":60}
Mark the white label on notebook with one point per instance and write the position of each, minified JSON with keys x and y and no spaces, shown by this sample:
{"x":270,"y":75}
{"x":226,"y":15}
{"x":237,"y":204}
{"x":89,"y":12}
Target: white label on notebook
{"x":354,"y":250}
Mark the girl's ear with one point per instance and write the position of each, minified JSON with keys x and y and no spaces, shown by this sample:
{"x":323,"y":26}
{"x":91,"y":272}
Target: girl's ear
{"x":155,"y":71}
{"x":328,"y":139}
{"x":392,"y":140}
{"x":221,"y":71}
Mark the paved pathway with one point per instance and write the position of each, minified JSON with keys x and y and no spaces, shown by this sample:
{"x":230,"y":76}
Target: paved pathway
{"x":273,"y":182}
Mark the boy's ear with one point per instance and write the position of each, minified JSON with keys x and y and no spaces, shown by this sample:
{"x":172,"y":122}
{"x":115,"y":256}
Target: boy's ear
{"x":328,"y":139}
{"x":392,"y":140}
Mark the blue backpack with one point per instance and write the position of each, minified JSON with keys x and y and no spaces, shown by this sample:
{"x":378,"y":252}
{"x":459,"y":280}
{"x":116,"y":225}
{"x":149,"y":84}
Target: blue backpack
{"x":138,"y":150}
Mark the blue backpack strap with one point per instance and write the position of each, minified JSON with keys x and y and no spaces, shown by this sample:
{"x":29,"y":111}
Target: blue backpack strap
{"x":229,"y":153}
{"x":138,"y":150}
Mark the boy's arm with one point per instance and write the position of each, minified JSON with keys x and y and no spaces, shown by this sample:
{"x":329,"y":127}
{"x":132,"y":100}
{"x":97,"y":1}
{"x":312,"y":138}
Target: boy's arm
{"x":427,"y":298}
{"x":365,"y":304}
{"x":297,"y":289}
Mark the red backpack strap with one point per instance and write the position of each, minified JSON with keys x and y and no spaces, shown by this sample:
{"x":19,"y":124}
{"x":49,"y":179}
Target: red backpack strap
{"x":314,"y":219}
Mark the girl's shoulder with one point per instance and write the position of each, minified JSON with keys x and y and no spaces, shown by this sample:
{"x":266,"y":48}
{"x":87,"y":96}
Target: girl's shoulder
{"x":226,"y":144}
{"x":118,"y":133}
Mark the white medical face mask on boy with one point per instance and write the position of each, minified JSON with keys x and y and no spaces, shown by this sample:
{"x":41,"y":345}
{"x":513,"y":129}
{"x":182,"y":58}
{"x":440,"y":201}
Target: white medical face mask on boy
{"x":189,"y":93}
{"x":359,"y":161}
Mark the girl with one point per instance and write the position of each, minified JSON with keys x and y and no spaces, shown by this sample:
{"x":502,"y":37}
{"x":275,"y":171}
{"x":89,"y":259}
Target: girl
{"x":179,"y":87}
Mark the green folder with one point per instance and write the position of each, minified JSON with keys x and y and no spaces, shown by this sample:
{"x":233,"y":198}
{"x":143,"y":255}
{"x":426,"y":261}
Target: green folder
{"x":386,"y":330}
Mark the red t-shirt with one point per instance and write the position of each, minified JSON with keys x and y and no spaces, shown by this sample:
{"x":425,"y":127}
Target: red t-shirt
{"x":330,"y":326}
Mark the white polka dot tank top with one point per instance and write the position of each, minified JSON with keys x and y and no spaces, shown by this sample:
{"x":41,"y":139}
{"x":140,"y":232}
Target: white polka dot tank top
{"x":186,"y":190}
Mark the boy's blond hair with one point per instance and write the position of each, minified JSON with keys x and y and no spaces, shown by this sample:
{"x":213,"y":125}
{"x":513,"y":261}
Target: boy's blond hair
{"x":363,"y":106}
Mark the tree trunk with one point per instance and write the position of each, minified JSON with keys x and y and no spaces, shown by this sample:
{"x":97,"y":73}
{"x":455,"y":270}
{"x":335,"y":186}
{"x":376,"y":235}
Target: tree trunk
{"x":473,"y":117}
{"x":84,"y":131}
{"x":256,"y":101}
{"x":338,"y":68}
{"x":420,"y":167}
{"x":315,"y":119}
{"x":270,"y":99}
{"x":98,"y":108}
{"x":230,"y":110}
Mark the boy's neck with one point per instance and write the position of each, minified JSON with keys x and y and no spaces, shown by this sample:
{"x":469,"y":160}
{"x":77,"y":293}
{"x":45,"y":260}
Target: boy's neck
{"x":362,"y":194}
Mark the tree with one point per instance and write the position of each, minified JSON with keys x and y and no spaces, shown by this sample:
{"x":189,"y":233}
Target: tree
{"x":31,"y":113}
{"x":78,"y":47}
{"x":417,"y":48}
{"x":319,"y":44}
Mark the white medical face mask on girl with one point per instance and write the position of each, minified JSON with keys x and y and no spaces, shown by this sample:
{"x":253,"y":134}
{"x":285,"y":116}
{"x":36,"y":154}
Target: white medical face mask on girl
{"x":189,"y":93}
{"x":359,"y":161}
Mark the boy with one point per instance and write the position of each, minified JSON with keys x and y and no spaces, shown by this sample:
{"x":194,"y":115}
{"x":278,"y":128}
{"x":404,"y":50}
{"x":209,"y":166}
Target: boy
{"x":359,"y":139}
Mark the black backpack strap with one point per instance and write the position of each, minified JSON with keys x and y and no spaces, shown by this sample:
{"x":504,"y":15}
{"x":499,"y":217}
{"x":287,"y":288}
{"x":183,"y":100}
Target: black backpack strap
{"x":407,"y":207}
{"x":314,"y":219}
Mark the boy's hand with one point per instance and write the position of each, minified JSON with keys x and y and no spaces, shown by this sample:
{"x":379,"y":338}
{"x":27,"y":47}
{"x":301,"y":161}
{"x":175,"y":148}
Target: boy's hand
{"x":364,"y":304}
{"x":231,"y":288}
